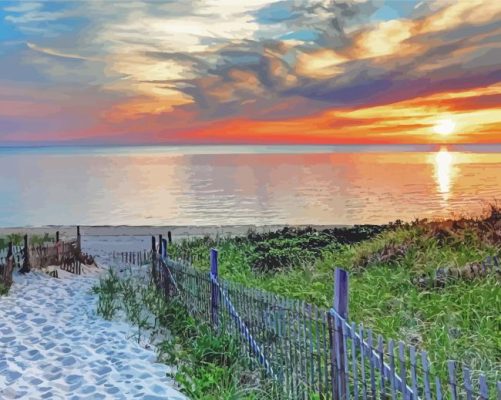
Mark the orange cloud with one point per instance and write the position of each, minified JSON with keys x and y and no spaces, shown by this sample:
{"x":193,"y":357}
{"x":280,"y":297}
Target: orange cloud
{"x":157,"y":73}
{"x":409,"y":121}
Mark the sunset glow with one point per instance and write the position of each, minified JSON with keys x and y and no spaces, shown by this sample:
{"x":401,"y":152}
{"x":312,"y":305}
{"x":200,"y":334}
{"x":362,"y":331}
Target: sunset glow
{"x":443,"y":167}
{"x":250,"y":72}
{"x":444,"y":127}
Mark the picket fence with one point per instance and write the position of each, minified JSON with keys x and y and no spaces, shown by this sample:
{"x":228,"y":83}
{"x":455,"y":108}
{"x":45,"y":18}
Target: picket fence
{"x":51,"y":254}
{"x":39,"y":256}
{"x":17,"y":253}
{"x":311,"y":353}
{"x":132,"y":257}
{"x":73,"y":266}
{"x":9,"y":257}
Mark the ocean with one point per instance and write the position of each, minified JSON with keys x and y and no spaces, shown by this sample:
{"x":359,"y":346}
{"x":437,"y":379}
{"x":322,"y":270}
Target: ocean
{"x":223,"y":185}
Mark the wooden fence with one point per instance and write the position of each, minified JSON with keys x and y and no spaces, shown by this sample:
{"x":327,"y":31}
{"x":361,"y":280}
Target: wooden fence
{"x":132,"y":257}
{"x":6,"y":271}
{"x":15,"y":250}
{"x":17,"y":254}
{"x":51,"y":254}
{"x":314,"y":353}
{"x":40,"y":256}
{"x":9,"y":258}
{"x":71,"y":265}
{"x":7,"y":262}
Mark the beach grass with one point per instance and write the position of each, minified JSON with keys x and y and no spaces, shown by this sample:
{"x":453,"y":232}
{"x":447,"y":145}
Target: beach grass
{"x":458,"y":319}
{"x":3,"y":289}
{"x":17,"y":239}
{"x":208,"y":365}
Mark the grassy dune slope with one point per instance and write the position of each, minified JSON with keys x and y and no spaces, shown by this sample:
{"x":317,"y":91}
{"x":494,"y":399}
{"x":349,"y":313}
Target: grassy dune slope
{"x":393,"y":289}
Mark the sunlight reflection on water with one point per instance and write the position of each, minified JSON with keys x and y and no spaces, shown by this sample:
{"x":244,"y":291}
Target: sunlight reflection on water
{"x":443,"y":172}
{"x":148,"y":186}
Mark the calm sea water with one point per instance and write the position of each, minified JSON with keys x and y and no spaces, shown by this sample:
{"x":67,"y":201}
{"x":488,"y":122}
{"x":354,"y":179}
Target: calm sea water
{"x":244,"y":185}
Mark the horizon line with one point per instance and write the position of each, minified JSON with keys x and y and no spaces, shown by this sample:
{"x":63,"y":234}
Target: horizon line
{"x":169,"y":144}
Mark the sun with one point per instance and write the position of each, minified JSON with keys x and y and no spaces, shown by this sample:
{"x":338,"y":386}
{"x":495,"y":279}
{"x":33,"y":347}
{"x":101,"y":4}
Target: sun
{"x":444,"y":126}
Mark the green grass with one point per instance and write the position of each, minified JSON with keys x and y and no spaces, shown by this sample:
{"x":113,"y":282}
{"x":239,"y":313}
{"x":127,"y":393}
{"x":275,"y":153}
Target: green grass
{"x":3,"y":289}
{"x":209,"y":365}
{"x":460,"y":321}
{"x":37,"y":240}
{"x":17,"y":239}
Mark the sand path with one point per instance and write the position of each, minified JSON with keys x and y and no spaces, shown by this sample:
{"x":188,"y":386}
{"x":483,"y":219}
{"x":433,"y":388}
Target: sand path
{"x":54,"y":346}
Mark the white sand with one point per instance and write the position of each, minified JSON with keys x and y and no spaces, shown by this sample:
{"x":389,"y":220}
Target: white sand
{"x":54,"y":346}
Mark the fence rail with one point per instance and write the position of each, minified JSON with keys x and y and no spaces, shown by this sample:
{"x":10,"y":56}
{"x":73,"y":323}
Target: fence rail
{"x":132,"y":257}
{"x":52,"y":254}
{"x":17,"y":254}
{"x":310,"y":352}
{"x":40,"y":256}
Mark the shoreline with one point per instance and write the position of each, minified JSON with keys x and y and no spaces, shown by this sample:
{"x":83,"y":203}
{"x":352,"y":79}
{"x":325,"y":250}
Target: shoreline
{"x":178,"y":231}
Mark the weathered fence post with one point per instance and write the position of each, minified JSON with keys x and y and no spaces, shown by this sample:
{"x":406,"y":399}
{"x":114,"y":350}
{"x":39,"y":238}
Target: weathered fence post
{"x":164,"y":241}
{"x":59,"y":248}
{"x":10,"y":255}
{"x":332,"y":357}
{"x":169,"y":236}
{"x":160,"y":243}
{"x":154,"y":259}
{"x":339,"y":387}
{"x":166,"y":276}
{"x":214,"y":289}
{"x":7,"y":271}
{"x":79,"y":240}
{"x":26,"y":262}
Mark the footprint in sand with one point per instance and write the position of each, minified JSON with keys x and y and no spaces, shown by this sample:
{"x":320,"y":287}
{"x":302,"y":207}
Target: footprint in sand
{"x":55,"y":347}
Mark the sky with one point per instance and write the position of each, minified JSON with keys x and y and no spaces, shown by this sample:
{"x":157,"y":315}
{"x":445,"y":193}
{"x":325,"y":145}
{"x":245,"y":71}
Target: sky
{"x":253,"y":71}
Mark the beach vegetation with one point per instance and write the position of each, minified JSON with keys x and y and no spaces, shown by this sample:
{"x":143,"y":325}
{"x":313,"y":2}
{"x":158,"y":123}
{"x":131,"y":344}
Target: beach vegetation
{"x":421,"y":282}
{"x":17,"y":239}
{"x":107,"y":291}
{"x":4,"y":289}
{"x":207,"y":364}
{"x":38,"y":240}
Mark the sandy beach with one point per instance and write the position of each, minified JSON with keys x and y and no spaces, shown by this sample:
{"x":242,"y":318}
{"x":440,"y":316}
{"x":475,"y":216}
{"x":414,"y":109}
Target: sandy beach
{"x":54,"y":346}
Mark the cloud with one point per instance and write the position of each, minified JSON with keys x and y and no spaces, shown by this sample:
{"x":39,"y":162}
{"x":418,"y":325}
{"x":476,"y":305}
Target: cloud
{"x":56,"y":53}
{"x":193,"y":64}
